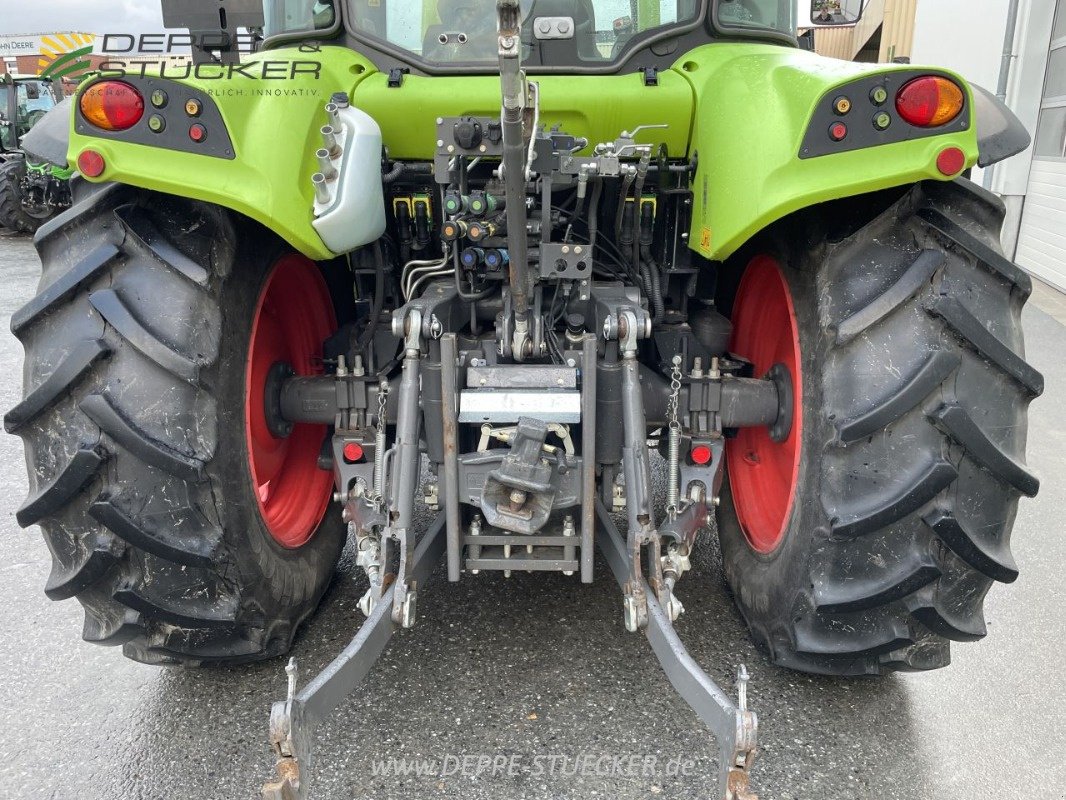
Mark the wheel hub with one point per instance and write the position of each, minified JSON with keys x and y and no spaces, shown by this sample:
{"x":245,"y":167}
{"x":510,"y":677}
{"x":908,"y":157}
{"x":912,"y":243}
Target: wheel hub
{"x":763,"y":464}
{"x":293,"y":316}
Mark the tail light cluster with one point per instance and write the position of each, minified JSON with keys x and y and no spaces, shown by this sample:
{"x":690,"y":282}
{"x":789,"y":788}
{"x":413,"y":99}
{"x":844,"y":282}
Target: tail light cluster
{"x":149,"y":111}
{"x":886,"y":108}
{"x":929,"y":101}
{"x":112,"y":105}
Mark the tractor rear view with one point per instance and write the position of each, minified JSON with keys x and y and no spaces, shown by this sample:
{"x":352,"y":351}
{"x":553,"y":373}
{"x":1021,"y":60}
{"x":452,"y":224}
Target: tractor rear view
{"x":527,"y":244}
{"x":32,"y":191}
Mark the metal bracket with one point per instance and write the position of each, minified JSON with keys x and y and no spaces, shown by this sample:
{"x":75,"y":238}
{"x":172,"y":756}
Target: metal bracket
{"x":565,"y":261}
{"x":734,"y":727}
{"x":293,"y":720}
{"x":403,"y":478}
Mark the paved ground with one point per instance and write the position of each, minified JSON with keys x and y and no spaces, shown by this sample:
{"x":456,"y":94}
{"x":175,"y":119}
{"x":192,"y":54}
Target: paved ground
{"x":532,"y":667}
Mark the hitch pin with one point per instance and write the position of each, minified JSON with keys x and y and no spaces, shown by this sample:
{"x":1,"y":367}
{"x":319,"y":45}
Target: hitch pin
{"x":291,"y":670}
{"x":742,"y":687}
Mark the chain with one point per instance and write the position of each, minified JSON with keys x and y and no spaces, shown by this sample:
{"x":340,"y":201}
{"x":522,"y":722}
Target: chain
{"x":675,"y":395}
{"x":379,"y":455}
{"x":673,"y":456}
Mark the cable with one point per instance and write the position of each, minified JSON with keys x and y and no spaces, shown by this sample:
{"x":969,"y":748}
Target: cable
{"x":534,"y":89}
{"x":626,"y":183}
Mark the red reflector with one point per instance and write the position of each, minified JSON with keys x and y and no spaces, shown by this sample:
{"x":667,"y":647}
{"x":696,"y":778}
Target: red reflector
{"x":837,"y":131}
{"x":701,"y":454}
{"x":91,"y":164}
{"x":112,"y":105}
{"x":197,"y":133}
{"x":929,"y":102}
{"x":951,"y":161}
{"x":353,"y":452}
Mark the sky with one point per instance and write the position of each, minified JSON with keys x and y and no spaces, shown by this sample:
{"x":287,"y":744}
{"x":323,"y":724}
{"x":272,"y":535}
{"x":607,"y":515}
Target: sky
{"x":84,"y":16}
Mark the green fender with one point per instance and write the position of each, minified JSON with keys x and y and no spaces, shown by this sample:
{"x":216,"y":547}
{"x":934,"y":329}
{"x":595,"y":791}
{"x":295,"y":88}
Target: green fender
{"x":741,"y":108}
{"x":274,"y":126}
{"x":753,"y":106}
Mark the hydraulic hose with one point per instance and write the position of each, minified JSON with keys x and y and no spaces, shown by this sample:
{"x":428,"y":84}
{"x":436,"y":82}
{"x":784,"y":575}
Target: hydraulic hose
{"x":367,"y":335}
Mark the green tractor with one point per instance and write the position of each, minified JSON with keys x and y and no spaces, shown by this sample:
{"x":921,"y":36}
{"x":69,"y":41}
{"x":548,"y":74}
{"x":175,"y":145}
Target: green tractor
{"x":32,"y":191}
{"x":485,"y":258}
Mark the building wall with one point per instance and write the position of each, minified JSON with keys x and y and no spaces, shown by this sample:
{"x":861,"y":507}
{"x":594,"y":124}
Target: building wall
{"x":968,"y":36}
{"x":893,"y":20}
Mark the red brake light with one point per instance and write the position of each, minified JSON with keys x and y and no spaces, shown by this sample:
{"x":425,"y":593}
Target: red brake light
{"x":112,"y":105}
{"x":929,"y":102}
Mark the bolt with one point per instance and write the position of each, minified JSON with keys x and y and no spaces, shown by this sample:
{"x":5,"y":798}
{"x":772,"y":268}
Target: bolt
{"x":518,"y":498}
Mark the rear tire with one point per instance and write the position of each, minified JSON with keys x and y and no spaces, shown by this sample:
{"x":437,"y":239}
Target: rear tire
{"x":135,"y":432}
{"x":12,"y":214}
{"x":913,"y":441}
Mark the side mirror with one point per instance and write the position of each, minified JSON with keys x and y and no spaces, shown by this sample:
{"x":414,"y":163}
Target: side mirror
{"x":836,"y":13}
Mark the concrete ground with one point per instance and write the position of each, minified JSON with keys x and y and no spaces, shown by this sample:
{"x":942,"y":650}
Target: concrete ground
{"x":535,"y":668}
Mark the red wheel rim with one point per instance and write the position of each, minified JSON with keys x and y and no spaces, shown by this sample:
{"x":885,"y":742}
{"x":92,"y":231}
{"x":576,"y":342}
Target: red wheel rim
{"x":763,"y":473}
{"x":293,"y":316}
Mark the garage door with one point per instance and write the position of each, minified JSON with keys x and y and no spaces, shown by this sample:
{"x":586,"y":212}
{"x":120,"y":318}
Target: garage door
{"x":1042,"y":237}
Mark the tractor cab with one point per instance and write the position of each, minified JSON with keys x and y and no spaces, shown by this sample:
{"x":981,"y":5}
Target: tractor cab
{"x":24,"y":100}
{"x":559,"y":35}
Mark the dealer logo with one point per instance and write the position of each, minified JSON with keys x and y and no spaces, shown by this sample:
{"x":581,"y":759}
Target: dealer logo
{"x":66,"y":55}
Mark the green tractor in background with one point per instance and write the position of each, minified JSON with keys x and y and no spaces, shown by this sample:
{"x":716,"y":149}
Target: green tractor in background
{"x":32,"y":191}
{"x":519,"y":241}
